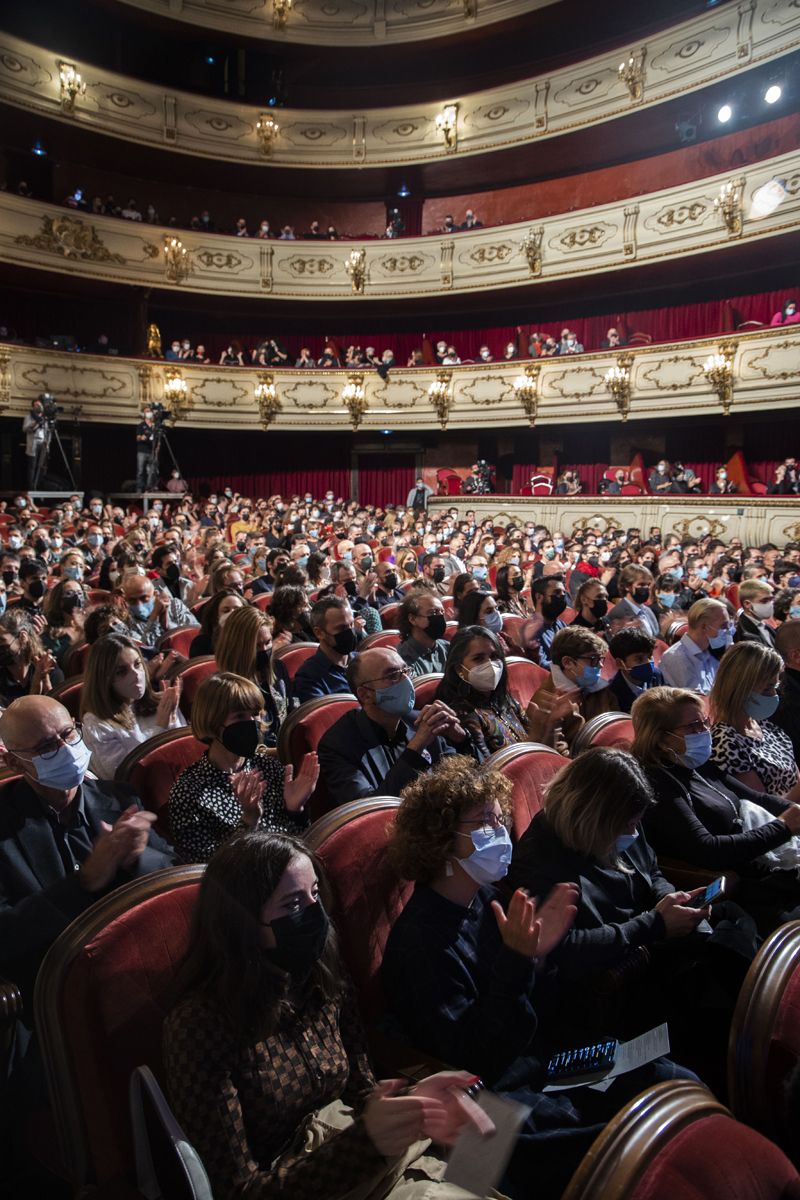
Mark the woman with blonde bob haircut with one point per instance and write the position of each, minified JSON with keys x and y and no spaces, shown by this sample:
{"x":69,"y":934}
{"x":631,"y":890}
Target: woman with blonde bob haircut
{"x":745,"y":743}
{"x":244,"y":647}
{"x":703,"y":813}
{"x":630,"y":921}
{"x":119,"y":707}
{"x":234,"y":786}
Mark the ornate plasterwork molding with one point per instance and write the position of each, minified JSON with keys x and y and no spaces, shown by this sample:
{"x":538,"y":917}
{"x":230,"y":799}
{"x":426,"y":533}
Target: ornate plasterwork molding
{"x":676,"y":62}
{"x":666,"y":381}
{"x":677,"y":222}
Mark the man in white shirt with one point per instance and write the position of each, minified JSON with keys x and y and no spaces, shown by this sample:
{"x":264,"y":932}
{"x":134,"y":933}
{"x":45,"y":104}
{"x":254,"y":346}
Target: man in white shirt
{"x":690,"y":663}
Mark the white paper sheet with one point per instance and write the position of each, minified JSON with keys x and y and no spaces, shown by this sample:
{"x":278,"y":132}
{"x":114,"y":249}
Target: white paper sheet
{"x":477,"y":1161}
{"x":630,"y":1056}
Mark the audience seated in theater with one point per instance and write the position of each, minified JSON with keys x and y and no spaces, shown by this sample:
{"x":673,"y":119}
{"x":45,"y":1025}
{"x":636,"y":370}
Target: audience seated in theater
{"x":65,"y":839}
{"x":612,"y":340}
{"x":65,"y":609}
{"x":386,"y":589}
{"x":26,"y":668}
{"x":354,"y":588}
{"x":422,"y":626}
{"x":510,"y":582}
{"x":706,"y":817}
{"x":632,"y":651}
{"x":722,"y":485}
{"x":591,"y":602}
{"x":549,"y":601}
{"x":213,"y":616}
{"x":262,"y":998}
{"x":787,"y":643}
{"x":787,"y":479}
{"x":432,"y":573}
{"x":289,"y":613}
{"x":277,"y":561}
{"x":569,"y":483}
{"x":466,"y":969}
{"x":33,"y":580}
{"x":380,"y":747}
{"x":631,"y":922}
{"x":745,"y":742}
{"x":232,"y":786}
{"x":120,"y":709}
{"x":408,"y":570}
{"x":149,"y":614}
{"x":575,"y":690}
{"x":480,"y":608}
{"x":693,"y":662}
{"x":325,"y":672}
{"x":787,"y":314}
{"x":635,"y":589}
{"x":756,"y":599}
{"x":244,"y":647}
{"x":666,"y":602}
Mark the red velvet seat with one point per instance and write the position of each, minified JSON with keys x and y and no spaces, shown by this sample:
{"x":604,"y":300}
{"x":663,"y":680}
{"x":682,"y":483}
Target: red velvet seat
{"x":292,"y":657}
{"x":388,"y":637}
{"x":530,"y":766}
{"x":450,"y":630}
{"x":179,"y":639}
{"x":192,"y":675}
{"x":449,"y":609}
{"x":676,"y":1142}
{"x":675,"y":630}
{"x":608,"y":729}
{"x":68,"y":693}
{"x":765,"y":1038}
{"x":152,"y":767}
{"x":301,"y":733}
{"x":390,"y":616}
{"x":425,"y":688}
{"x":99,"y":596}
{"x":524,"y":678}
{"x":75,"y":660}
{"x":368,"y":894}
{"x":512,"y":624}
{"x":100,"y":999}
{"x":262,"y":600}
{"x":658,"y":650}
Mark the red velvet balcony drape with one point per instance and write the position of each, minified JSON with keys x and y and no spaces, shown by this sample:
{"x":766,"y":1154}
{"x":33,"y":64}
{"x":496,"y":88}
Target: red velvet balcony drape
{"x":285,"y":483}
{"x":381,"y":483}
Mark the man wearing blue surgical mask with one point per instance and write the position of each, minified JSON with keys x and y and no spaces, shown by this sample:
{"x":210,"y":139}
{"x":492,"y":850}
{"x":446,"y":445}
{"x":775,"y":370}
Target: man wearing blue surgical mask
{"x":65,"y":840}
{"x":693,"y":661}
{"x":575,"y":691}
{"x":478,"y":568}
{"x":151,"y":614}
{"x":382,"y":746}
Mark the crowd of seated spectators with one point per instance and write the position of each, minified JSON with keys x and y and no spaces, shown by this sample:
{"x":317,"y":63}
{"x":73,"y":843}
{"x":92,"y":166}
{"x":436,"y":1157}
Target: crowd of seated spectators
{"x":697,"y":638}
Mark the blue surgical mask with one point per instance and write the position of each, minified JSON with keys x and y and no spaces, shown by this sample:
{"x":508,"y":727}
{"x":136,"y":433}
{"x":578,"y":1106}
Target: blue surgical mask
{"x":3,"y":603}
{"x":94,"y":539}
{"x":73,"y":573}
{"x":397,"y":700}
{"x":588,"y":679}
{"x":302,"y":561}
{"x":65,"y":769}
{"x":675,"y":572}
{"x":493,"y":621}
{"x":722,"y":639}
{"x":142,"y":610}
{"x":794,"y":612}
{"x":666,"y":599}
{"x":480,"y":573}
{"x":702,"y":572}
{"x":625,"y":841}
{"x":348,"y":556}
{"x":490,"y":860}
{"x":759,"y":707}
{"x":643,"y":674}
{"x":697,"y":749}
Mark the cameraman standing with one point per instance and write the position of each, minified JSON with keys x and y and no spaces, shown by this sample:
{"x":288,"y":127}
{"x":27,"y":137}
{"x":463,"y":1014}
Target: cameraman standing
{"x":33,"y":426}
{"x":145,"y":432}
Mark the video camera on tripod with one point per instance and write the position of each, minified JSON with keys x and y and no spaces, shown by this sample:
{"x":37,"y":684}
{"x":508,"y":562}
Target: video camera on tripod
{"x":50,"y":409}
{"x":48,"y":421}
{"x":160,"y":412}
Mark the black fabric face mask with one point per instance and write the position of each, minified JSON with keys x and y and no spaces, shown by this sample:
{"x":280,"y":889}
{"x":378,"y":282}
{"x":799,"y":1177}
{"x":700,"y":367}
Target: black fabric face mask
{"x":262,"y":659}
{"x":345,"y":641}
{"x":552,"y":609}
{"x":641,"y":594}
{"x":172,"y":573}
{"x":518,"y":584}
{"x":599,"y":608}
{"x":300,"y":939}
{"x":350,"y":586}
{"x":389,"y":581}
{"x":438,"y":575}
{"x":241,"y":738}
{"x":36,"y":589}
{"x":9,"y":577}
{"x":72,"y":601}
{"x":437,"y":624}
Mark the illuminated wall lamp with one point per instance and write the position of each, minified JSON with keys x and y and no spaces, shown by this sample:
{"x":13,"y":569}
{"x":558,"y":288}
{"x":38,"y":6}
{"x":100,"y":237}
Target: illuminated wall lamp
{"x":267,"y":130}
{"x":72,"y":85}
{"x":266,"y":397}
{"x":355,"y":398}
{"x":718,"y":370}
{"x":618,"y":382}
{"x":447,"y":126}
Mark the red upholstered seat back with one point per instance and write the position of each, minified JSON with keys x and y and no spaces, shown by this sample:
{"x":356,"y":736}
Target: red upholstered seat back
{"x":152,"y":768}
{"x":112,"y":1002}
{"x":784,"y":1054}
{"x":180,"y":640}
{"x":75,"y":660}
{"x":425,"y":688}
{"x":530,"y":767}
{"x":388,"y":637}
{"x":191,"y":676}
{"x":68,"y":693}
{"x":716,"y":1158}
{"x":524,"y":679}
{"x":301,"y":733}
{"x":263,"y":600}
{"x":447,"y":605}
{"x":511,"y":627}
{"x":390,"y":616}
{"x":617,"y":733}
{"x":368,"y":896}
{"x":293,"y":657}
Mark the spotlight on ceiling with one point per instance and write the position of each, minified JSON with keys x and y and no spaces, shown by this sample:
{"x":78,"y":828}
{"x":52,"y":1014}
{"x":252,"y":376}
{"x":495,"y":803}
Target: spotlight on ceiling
{"x":773,"y":93}
{"x":725,"y":113}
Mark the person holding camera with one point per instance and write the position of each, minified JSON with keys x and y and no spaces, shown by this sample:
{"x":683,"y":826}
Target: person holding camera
{"x":34,"y":428}
{"x":145,"y":433}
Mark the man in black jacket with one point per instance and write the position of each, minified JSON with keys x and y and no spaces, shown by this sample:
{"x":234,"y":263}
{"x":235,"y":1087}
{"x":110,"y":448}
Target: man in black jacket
{"x":787,"y":643}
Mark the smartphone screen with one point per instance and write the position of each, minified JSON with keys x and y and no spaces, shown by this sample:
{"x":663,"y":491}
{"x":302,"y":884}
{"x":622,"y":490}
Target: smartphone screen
{"x":713,"y":892}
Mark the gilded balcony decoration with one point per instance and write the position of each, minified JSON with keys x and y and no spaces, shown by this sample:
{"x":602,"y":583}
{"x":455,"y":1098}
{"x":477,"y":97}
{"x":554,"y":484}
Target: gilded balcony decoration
{"x":280,"y":13}
{"x":355,"y":398}
{"x":72,"y":85}
{"x":718,"y":370}
{"x":618,"y":382}
{"x":356,"y":268}
{"x":631,"y":73}
{"x":267,"y":130}
{"x":447,"y":125}
{"x":525,"y":389}
{"x":681,"y":62}
{"x":266,"y":397}
{"x":176,"y":393}
{"x":730,"y":207}
{"x":532,"y":249}
{"x":441,"y":396}
{"x":177,"y":264}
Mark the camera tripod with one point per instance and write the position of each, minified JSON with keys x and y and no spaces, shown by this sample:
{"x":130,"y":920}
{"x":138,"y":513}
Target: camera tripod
{"x":43,"y":457}
{"x":159,"y":438}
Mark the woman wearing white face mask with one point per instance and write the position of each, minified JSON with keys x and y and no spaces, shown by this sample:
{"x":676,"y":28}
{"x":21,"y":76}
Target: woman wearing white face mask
{"x":703,"y":813}
{"x":745,"y":742}
{"x":475,"y":686}
{"x":119,"y":707}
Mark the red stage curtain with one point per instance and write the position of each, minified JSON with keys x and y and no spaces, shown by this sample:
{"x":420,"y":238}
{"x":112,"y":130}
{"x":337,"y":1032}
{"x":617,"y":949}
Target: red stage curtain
{"x":383,"y":485}
{"x":284,"y":483}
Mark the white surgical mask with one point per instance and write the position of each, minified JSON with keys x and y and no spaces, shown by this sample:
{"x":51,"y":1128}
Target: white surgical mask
{"x":490,"y":860}
{"x":486,"y":677}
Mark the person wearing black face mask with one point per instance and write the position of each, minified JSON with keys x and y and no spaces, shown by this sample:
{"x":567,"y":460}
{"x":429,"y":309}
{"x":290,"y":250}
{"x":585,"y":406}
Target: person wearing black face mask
{"x":33,"y":577}
{"x":422,"y":627}
{"x":591,"y":602}
{"x":434,"y":574}
{"x":550,"y":601}
{"x":232,"y":787}
{"x":510,"y":582}
{"x":635,"y":585}
{"x":386,"y":590}
{"x":325,"y":673}
{"x":26,"y":668}
{"x":64,"y":607}
{"x":166,"y":561}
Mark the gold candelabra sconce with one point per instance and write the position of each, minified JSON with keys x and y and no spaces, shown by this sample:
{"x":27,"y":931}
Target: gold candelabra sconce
{"x":176,"y":259}
{"x":441,"y":396}
{"x":267,"y":130}
{"x":280,"y":13}
{"x":631,"y":73}
{"x":718,"y":370}
{"x":532,"y":249}
{"x":729,"y":205}
{"x":447,"y":126}
{"x":526,"y":389}
{"x":618,"y":382}
{"x":356,"y":267}
{"x":176,"y":394}
{"x":355,"y":398}
{"x":470,"y":10}
{"x":266,"y":397}
{"x":72,"y":85}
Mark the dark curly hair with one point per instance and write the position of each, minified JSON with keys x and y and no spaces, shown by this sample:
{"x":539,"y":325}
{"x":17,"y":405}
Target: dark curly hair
{"x":431,"y":808}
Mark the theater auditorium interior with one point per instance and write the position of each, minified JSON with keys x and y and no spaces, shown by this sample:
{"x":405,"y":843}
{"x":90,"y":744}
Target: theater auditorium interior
{"x":399,"y":584}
